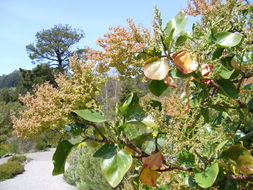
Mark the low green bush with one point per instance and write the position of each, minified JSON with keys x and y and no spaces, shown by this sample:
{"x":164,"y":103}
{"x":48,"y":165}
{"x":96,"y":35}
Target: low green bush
{"x":18,"y":158}
{"x":10,"y":169}
{"x":41,"y":145}
{"x":4,"y":148}
{"x":14,"y":146}
{"x":84,"y":170}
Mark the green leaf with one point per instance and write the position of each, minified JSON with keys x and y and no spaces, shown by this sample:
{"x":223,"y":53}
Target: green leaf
{"x":227,"y":39}
{"x":250,"y":104}
{"x":205,"y":114}
{"x":115,"y":166}
{"x":157,"y":69}
{"x":241,"y":156}
{"x":207,"y":178}
{"x":217,"y":53}
{"x":178,"y":74}
{"x":177,"y":23}
{"x":135,"y":129}
{"x":181,"y":39}
{"x":228,"y":88}
{"x":186,"y":159}
{"x":225,"y":73}
{"x":241,"y":136}
{"x":155,"y":104}
{"x":148,"y":146}
{"x":126,"y":103}
{"x":248,"y":86}
{"x":107,"y":148}
{"x":168,"y":39}
{"x":246,"y":58}
{"x":93,"y":115}
{"x":157,"y":87}
{"x":149,"y":122}
{"x":230,"y":185}
{"x":134,"y":111}
{"x":59,"y":158}
{"x":220,"y":146}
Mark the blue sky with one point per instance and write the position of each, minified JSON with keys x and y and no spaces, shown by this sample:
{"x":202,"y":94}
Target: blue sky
{"x":21,"y":19}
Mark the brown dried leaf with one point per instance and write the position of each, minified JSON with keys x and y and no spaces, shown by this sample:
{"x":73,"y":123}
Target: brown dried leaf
{"x":149,"y":177}
{"x":154,"y":161}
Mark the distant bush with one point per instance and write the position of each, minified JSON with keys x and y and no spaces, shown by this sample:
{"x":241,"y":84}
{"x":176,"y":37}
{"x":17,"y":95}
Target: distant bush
{"x":41,"y":145}
{"x":84,"y":171}
{"x":4,"y":148}
{"x":10,"y":169}
{"x":18,"y":158}
{"x":14,"y":146}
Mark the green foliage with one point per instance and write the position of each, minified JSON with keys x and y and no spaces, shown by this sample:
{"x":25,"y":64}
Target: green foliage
{"x":8,"y":95}
{"x":227,"y":39}
{"x":186,"y":159}
{"x":126,"y":103}
{"x":52,"y":46}
{"x":228,"y":88}
{"x":10,"y":169}
{"x":60,"y":156}
{"x":92,"y":115}
{"x":157,"y":87}
{"x":6,"y":111}
{"x":38,"y":75}
{"x":4,"y":148}
{"x":84,"y":170}
{"x":115,"y":165}
{"x":41,"y":145}
{"x":176,"y":25}
{"x":14,"y":146}
{"x":18,"y":158}
{"x":10,"y":80}
{"x":207,"y":178}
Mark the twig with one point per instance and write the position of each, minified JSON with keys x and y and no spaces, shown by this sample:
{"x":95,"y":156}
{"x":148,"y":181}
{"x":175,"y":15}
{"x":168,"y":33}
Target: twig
{"x":96,"y":128}
{"x":175,"y":168}
{"x":239,"y":177}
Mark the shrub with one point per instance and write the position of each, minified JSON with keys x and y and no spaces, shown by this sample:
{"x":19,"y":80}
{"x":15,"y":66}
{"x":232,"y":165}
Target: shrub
{"x":41,"y":145}
{"x":14,"y":146}
{"x":84,"y":170}
{"x":4,"y":148}
{"x":18,"y":158}
{"x":10,"y":169}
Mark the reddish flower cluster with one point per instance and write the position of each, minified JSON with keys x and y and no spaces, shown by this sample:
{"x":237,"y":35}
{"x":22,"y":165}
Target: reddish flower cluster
{"x":200,"y":7}
{"x":120,"y":48}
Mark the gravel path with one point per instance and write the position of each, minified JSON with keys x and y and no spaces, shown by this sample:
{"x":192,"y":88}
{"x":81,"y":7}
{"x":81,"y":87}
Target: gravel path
{"x":37,"y":175}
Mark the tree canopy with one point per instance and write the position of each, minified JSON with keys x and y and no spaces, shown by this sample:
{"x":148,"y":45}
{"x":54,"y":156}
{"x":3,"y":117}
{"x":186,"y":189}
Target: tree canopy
{"x":52,"y":46}
{"x":10,"y":80}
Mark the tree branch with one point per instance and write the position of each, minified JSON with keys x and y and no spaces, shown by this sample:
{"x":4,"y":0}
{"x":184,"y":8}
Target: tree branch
{"x":170,"y":168}
{"x":99,"y":132}
{"x":239,"y":177}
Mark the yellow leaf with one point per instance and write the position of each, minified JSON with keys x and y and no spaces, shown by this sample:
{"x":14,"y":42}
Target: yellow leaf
{"x":241,"y":157}
{"x":184,"y":62}
{"x":82,"y":144}
{"x":129,"y":150}
{"x":149,"y":177}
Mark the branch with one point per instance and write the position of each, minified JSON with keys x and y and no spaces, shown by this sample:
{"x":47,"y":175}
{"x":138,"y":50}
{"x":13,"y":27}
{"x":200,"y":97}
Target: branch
{"x":175,"y":168}
{"x":99,"y":140}
{"x":239,"y":177}
{"x":96,"y":128}
{"x":240,"y":82}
